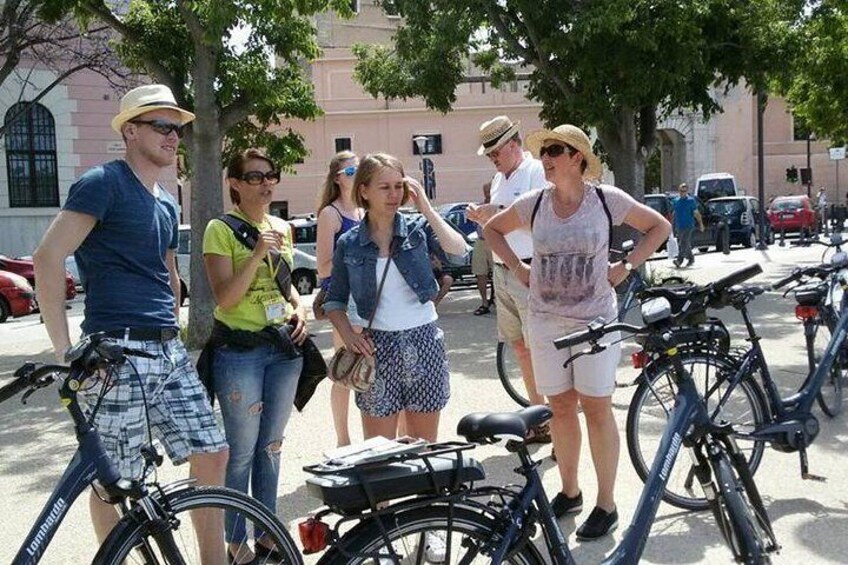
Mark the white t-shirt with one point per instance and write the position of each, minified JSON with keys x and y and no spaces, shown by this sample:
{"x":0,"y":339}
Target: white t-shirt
{"x":398,"y":307}
{"x":528,"y":176}
{"x":570,"y":260}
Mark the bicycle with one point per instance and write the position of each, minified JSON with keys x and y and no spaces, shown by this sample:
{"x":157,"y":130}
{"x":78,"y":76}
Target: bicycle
{"x":733,"y":392}
{"x":494,"y":524}
{"x":155,"y":527}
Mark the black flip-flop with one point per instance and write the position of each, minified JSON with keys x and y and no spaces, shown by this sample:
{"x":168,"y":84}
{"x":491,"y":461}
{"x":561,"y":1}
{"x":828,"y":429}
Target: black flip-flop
{"x":481,"y":310}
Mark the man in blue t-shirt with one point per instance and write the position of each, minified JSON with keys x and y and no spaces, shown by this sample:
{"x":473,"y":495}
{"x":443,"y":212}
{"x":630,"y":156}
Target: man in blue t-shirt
{"x":685,"y":215}
{"x":122,"y":227}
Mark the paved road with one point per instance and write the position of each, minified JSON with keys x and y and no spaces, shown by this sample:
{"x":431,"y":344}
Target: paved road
{"x":810,"y":518}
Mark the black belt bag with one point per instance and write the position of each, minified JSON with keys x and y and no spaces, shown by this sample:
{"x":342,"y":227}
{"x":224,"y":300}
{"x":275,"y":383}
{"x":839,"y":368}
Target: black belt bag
{"x":144,"y":334}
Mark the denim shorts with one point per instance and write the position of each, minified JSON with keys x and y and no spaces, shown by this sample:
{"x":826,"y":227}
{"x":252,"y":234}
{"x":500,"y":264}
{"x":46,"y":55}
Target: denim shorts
{"x":412,"y":372}
{"x":177,"y":406}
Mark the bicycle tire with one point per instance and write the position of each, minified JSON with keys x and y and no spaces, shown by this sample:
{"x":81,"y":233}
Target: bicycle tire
{"x":829,"y":395}
{"x":129,"y":534}
{"x":736,"y":520}
{"x":470,"y":529}
{"x":652,"y":401}
{"x":509,"y":373}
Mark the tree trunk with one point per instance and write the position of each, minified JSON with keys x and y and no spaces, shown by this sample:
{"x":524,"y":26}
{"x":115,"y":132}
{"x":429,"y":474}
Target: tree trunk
{"x":206,"y":190}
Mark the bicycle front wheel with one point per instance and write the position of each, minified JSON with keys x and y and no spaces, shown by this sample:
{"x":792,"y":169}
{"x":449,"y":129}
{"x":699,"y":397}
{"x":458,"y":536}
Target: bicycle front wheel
{"x":830,"y":394}
{"x":509,"y":372}
{"x":737,"y":522}
{"x":745,"y":408}
{"x":133,"y":541}
{"x":429,"y":534}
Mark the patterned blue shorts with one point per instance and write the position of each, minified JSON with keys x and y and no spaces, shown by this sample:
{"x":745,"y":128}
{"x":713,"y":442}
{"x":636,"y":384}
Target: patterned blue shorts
{"x":412,"y":372}
{"x":177,"y":405}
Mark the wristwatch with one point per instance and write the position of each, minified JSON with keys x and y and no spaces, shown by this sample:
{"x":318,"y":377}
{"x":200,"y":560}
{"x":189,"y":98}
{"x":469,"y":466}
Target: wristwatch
{"x":628,"y":266}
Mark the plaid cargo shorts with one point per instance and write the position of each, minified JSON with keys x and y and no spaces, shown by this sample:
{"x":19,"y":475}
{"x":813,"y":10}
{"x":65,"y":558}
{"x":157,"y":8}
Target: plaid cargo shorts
{"x":178,"y":408}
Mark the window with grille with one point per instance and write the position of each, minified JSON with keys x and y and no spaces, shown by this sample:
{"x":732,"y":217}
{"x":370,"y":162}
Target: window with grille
{"x":343,"y":144}
{"x":31,"y":157}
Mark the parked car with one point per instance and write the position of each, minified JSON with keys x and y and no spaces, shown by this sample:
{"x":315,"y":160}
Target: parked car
{"x":455,"y":213}
{"x":792,"y":213}
{"x":23,"y":266}
{"x":304,"y":271}
{"x":305,"y":232}
{"x":17,"y":297}
{"x":741,"y":214}
{"x":71,"y":267}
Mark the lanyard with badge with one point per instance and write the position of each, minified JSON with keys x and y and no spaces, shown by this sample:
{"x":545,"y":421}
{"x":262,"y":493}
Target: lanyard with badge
{"x":275,"y":306}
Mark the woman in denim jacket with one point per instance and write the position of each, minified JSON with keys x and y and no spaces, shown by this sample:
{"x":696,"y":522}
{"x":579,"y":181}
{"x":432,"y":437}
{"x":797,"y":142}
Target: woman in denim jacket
{"x":412,"y":366}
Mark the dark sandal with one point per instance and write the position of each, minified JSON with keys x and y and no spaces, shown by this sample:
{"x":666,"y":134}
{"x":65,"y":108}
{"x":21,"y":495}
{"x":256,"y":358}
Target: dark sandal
{"x":481,"y":310}
{"x":538,"y":434}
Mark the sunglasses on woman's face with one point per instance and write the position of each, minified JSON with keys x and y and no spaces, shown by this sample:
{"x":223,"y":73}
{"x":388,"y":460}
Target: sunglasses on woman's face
{"x":555,"y":151}
{"x":163,"y":127}
{"x":348,"y":171}
{"x":256,"y":178}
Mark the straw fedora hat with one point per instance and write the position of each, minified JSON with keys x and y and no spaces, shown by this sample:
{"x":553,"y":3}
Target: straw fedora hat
{"x":573,"y":136}
{"x":495,"y":133}
{"x":145,"y":99}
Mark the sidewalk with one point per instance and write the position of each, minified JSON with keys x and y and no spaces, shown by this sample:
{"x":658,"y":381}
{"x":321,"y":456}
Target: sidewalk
{"x":810,"y":518}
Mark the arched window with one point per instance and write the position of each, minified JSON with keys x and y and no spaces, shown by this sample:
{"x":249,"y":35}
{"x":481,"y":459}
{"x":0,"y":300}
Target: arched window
{"x":31,"y":157}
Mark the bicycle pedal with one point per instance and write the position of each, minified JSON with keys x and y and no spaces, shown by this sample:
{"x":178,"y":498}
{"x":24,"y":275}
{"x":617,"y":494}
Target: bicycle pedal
{"x":813,"y":477}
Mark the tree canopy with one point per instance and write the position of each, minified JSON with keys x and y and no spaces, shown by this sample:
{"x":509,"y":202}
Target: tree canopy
{"x":817,"y":87}
{"x":232,"y":86}
{"x":616,"y":65}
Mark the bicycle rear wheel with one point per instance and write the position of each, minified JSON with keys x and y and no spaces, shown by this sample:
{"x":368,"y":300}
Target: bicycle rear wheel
{"x":131,"y":541}
{"x":740,"y":525}
{"x":745,"y":408}
{"x":829,"y":396}
{"x":467,"y":531}
{"x":509,"y":372}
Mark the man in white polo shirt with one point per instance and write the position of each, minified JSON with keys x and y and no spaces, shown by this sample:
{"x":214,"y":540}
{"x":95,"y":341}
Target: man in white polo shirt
{"x":517,"y":173}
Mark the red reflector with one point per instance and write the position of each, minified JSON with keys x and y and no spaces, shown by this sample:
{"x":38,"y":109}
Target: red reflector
{"x":806,"y":312}
{"x":639,"y":359}
{"x":313,"y":535}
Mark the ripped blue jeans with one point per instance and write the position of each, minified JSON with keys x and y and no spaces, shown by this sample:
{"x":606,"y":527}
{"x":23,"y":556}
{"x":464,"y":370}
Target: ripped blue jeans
{"x":255,"y":389}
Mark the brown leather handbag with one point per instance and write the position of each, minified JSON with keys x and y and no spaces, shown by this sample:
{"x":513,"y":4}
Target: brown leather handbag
{"x":318,"y":311}
{"x":355,"y":370}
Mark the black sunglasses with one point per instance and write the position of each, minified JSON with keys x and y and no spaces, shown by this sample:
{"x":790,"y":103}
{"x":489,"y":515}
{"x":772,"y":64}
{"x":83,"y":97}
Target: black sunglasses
{"x":556,"y":150}
{"x":256,"y":178}
{"x":163,"y":127}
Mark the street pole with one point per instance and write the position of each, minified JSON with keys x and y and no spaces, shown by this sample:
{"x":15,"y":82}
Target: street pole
{"x":420,"y":142}
{"x":809,"y":169}
{"x":761,"y":190}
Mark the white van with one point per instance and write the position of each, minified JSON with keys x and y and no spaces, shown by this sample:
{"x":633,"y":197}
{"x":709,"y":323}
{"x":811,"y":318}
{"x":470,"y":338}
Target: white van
{"x":715,"y":185}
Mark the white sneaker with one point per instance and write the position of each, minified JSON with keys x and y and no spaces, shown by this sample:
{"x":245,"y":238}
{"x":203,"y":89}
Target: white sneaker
{"x":436,"y":549}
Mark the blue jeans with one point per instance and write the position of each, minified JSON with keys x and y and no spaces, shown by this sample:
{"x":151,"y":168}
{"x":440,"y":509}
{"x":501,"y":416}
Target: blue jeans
{"x":255,"y":389}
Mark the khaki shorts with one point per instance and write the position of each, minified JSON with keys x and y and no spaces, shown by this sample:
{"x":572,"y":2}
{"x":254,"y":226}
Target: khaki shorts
{"x":590,"y":375}
{"x":511,"y":299}
{"x":481,"y":258}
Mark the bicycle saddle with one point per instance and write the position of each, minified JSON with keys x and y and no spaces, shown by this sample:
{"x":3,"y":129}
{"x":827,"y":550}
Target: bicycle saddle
{"x":485,"y":427}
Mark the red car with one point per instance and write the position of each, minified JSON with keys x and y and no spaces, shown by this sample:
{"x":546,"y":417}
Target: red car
{"x":16,"y":296}
{"x":792,"y":213}
{"x":24,"y":268}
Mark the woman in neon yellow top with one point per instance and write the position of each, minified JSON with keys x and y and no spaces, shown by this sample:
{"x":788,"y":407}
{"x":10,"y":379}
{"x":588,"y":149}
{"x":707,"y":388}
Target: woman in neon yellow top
{"x":254,"y":378}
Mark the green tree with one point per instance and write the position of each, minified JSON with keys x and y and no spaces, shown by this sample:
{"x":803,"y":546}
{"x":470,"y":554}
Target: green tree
{"x":616,"y":65}
{"x":235,"y":90}
{"x":817,"y":87}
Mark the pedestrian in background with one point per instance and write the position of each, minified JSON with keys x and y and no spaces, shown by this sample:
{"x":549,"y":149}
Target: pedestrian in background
{"x":481,"y":261}
{"x":337,"y":214}
{"x":571,"y":283}
{"x":258,"y":328}
{"x":517,"y":172}
{"x":685,"y":215}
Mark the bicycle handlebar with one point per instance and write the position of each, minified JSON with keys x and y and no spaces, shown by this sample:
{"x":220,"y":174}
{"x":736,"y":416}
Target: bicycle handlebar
{"x":594,"y":332}
{"x":819,"y":271}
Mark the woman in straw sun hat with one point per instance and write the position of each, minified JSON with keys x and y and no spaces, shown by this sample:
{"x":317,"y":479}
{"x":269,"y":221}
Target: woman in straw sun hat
{"x":572,"y":282}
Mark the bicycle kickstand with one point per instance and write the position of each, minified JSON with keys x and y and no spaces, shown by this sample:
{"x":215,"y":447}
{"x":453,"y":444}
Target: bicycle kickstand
{"x":805,"y":468}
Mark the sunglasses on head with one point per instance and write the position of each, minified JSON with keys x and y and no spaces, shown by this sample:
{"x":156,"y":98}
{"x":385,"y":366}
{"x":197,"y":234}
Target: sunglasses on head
{"x":348,"y":171}
{"x":256,"y":178}
{"x":163,"y":127}
{"x":555,"y":150}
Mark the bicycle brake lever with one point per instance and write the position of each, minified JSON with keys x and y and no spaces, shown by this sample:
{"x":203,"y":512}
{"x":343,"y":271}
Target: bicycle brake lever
{"x":596,"y":348}
{"x":26,"y":395}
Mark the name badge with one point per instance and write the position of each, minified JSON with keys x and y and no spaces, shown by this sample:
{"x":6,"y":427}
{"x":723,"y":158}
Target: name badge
{"x":275,"y":310}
